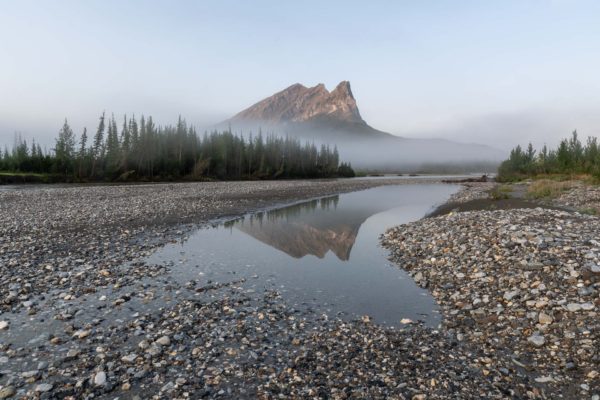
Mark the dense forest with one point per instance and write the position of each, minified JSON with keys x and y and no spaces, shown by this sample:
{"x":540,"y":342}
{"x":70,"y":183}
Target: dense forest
{"x":144,"y":151}
{"x":571,"y":157}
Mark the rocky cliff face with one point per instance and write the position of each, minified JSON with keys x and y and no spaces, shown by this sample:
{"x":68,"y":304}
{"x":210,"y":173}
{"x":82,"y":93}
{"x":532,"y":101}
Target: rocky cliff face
{"x":298,"y":103}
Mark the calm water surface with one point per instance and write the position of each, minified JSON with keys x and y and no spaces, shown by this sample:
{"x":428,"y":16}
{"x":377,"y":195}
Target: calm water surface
{"x":323,"y":254}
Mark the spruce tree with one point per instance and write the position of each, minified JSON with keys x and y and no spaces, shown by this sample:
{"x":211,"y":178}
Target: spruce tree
{"x":97,"y":150}
{"x":65,"y":149}
{"x":81,"y":156}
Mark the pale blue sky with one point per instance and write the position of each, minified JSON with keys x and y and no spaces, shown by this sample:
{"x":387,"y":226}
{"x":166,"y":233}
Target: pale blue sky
{"x":486,"y":71}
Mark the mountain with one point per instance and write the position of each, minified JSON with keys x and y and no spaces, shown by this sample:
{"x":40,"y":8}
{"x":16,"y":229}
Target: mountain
{"x":316,"y":114}
{"x":309,"y":112}
{"x":298,"y":103}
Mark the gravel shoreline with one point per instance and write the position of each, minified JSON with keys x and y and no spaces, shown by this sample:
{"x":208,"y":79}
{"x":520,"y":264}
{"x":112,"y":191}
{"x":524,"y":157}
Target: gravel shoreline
{"x":73,"y":238}
{"x":83,"y":317}
{"x":520,"y":285}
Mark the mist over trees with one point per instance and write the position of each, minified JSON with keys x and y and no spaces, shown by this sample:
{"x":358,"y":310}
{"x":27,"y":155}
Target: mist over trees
{"x":570,"y":157}
{"x":141,"y":150}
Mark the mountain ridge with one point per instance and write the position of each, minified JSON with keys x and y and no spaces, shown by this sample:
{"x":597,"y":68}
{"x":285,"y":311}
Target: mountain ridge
{"x":298,"y":103}
{"x":297,"y":109}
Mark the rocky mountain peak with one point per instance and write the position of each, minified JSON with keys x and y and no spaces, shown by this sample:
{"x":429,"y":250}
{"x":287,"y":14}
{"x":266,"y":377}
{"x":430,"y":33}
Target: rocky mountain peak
{"x":298,"y":103}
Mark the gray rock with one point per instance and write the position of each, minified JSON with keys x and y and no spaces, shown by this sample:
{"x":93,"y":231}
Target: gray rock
{"x":536,"y":340}
{"x":71,"y":354}
{"x":44,"y":387}
{"x":508,"y":296}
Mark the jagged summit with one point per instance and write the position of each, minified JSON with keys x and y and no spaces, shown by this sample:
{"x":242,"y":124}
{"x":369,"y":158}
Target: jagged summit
{"x":331,"y":117}
{"x":299,"y":103}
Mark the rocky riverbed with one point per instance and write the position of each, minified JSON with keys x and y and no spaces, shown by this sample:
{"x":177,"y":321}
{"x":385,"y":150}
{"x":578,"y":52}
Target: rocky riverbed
{"x":78,"y":238}
{"x":84,"y":317}
{"x":520,"y":285}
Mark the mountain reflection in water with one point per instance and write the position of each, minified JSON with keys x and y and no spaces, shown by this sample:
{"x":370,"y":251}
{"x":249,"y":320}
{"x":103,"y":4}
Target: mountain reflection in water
{"x":307,"y":228}
{"x":323,"y":254}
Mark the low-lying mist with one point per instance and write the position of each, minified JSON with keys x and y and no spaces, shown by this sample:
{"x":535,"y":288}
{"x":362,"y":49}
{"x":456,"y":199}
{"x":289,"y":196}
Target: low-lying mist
{"x":378,"y":151}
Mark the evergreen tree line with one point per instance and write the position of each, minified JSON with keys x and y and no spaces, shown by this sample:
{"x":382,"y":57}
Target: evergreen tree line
{"x":141,"y":150}
{"x":570,"y":157}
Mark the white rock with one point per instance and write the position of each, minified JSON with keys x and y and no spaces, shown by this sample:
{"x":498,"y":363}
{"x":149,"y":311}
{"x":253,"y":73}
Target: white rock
{"x":129,"y":358}
{"x":3,"y":325}
{"x":100,"y":378}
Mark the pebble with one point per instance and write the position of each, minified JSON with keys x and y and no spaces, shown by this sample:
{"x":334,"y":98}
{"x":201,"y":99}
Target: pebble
{"x":100,"y":378}
{"x":44,"y":387}
{"x":7,"y":391}
{"x":536,"y":340}
{"x":82,"y":334}
{"x":163,"y":341}
{"x":72,"y":353}
{"x":130,"y":358}
{"x":545,"y":318}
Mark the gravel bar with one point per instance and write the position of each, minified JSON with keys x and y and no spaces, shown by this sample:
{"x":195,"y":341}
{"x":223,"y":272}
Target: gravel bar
{"x":84,"y":317}
{"x":521,"y":285}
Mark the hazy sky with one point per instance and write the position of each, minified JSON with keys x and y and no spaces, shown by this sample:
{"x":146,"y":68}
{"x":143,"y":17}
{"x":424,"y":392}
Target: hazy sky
{"x":485,"y":71}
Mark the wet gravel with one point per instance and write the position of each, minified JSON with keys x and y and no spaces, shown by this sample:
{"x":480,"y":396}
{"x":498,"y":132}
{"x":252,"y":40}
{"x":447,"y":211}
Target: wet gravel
{"x":521,"y":285}
{"x":78,"y":238}
{"x":83,"y":316}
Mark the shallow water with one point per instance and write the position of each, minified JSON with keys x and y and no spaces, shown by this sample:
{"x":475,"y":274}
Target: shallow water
{"x":322,"y":255}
